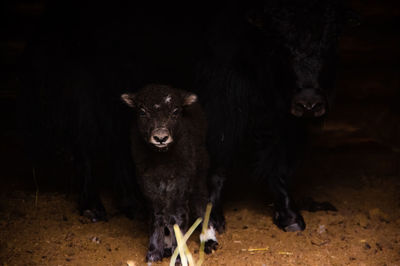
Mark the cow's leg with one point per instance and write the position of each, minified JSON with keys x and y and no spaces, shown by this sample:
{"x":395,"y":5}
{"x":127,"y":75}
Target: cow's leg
{"x":90,"y":204}
{"x":276,"y":161}
{"x":286,"y":215}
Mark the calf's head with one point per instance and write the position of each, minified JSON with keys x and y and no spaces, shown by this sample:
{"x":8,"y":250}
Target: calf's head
{"x":302,"y":37}
{"x":159,"y":110}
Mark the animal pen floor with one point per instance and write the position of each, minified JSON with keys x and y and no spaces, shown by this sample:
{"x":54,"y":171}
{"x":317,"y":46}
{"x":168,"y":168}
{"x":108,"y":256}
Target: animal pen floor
{"x":354,"y":164}
{"x":357,"y":175}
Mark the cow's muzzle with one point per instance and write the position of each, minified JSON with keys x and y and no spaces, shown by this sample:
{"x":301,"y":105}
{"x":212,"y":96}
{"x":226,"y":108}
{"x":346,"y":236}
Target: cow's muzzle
{"x":308,"y":103}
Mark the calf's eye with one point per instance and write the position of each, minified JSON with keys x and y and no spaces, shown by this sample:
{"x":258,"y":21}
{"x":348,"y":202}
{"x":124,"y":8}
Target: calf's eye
{"x":175,"y":112}
{"x":142,"y":112}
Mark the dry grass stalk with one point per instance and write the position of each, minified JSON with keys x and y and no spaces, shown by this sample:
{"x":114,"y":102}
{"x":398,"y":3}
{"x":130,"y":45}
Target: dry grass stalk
{"x":203,"y":231}
{"x":182,"y":249}
{"x":36,"y":185}
{"x":184,"y":239}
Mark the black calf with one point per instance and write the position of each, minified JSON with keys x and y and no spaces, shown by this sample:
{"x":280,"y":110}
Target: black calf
{"x":168,"y":148}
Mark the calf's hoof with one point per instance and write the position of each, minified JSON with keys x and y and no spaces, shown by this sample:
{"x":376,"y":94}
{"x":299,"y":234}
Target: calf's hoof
{"x":289,"y":221}
{"x":167,"y":252}
{"x":210,"y":245}
{"x":154,"y":255}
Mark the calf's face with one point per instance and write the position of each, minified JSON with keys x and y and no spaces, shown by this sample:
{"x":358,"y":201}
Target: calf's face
{"x":159,"y":111}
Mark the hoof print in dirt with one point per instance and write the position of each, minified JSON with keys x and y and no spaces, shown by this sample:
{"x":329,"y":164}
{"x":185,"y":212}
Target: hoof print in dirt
{"x":210,"y":245}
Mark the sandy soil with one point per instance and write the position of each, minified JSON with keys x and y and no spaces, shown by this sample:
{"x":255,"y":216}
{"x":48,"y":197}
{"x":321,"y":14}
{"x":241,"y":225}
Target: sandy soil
{"x":357,"y":175}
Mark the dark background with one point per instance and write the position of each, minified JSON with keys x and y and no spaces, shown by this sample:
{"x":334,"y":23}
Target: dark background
{"x":368,"y":92}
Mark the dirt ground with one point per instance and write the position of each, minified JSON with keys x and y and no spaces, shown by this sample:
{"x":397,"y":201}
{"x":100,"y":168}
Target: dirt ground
{"x":357,"y":175}
{"x":354,"y":164}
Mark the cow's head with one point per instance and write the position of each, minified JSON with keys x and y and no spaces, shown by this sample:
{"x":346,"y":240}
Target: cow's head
{"x":159,"y":109}
{"x":304,"y":36}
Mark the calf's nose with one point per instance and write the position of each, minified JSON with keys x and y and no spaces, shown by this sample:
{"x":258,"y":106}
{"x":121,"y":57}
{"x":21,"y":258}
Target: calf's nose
{"x":160,"y":136}
{"x":160,"y":139}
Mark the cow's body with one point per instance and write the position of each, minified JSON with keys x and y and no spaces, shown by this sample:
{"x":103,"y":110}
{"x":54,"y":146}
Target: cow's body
{"x":269,"y":74}
{"x":69,"y":105}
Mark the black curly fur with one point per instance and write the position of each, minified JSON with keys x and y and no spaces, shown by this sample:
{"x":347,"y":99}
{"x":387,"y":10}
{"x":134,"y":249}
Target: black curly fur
{"x":173,"y":178}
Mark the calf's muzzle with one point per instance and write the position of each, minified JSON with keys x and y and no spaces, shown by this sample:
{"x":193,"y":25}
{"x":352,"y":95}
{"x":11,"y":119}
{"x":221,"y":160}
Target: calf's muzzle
{"x":160,"y":137}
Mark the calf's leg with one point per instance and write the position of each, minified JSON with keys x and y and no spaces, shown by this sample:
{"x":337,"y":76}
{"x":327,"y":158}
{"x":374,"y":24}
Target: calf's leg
{"x":199,"y":203}
{"x":156,"y":243}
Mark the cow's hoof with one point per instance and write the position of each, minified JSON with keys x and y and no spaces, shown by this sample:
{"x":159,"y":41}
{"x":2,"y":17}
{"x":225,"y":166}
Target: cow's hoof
{"x":294,"y":227}
{"x":154,"y":255}
{"x":93,"y":209}
{"x":289,"y":221}
{"x":95,"y":215}
{"x":210,"y":245}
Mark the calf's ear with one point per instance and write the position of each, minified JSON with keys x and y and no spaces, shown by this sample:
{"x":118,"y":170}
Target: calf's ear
{"x":189,"y":99}
{"x":128,"y":99}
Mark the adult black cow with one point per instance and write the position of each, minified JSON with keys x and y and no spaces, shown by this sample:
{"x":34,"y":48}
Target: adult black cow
{"x":72,"y":76}
{"x":269,"y":73}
